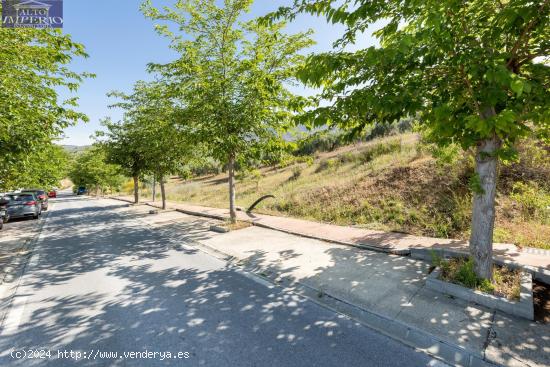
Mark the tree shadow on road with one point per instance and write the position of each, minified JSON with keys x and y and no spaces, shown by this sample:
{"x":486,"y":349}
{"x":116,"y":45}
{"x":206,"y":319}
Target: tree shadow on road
{"x":101,"y":281}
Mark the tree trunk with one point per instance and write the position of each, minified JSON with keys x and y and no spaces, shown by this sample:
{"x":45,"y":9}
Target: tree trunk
{"x":154,"y":188}
{"x":162,"y":192}
{"x":231,"y":169}
{"x":97,"y":191}
{"x":483,"y":215}
{"x":136,"y":189}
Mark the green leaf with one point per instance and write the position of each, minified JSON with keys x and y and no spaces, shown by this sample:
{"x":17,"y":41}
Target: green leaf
{"x":517,"y":87}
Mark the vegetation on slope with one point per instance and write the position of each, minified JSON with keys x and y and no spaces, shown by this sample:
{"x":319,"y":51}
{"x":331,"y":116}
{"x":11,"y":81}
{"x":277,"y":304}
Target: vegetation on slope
{"x":395,"y":183}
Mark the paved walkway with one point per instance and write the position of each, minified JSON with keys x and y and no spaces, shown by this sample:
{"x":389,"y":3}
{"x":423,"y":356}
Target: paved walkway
{"x":14,"y":238}
{"x":391,"y":242}
{"x":387,"y":285}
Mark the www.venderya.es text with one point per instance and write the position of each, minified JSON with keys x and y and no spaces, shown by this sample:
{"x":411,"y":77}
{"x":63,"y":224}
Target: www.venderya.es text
{"x":96,"y":354}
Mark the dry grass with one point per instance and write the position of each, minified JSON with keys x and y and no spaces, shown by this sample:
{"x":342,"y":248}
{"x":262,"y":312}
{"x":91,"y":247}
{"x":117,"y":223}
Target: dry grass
{"x":237,"y":225}
{"x":506,"y":282}
{"x":405,"y":190}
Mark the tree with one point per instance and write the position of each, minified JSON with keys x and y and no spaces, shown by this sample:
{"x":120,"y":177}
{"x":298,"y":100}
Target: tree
{"x":33,"y":67}
{"x":231,"y":76}
{"x":43,"y":168}
{"x":471,"y":69}
{"x":166,"y":144}
{"x":124,"y":146}
{"x":90,"y":169}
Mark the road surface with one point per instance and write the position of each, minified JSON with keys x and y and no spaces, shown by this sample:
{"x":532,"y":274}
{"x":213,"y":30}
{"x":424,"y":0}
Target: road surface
{"x":101,"y":289}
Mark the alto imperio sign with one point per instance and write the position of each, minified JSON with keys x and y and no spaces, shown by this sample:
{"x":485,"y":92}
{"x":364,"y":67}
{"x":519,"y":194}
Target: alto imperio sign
{"x":32,"y":14}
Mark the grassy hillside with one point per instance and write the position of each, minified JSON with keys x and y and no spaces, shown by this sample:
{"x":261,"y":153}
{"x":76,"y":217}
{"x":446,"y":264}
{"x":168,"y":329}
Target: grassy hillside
{"x":392,"y":184}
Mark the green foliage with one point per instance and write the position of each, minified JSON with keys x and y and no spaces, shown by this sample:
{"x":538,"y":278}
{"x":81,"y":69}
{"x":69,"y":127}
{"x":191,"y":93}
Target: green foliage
{"x":446,"y":155}
{"x":475,"y":184}
{"x":534,"y":202}
{"x":506,"y":282}
{"x":320,"y":141}
{"x":43,"y":168}
{"x":155,"y":129}
{"x":232,"y":77}
{"x":464,"y":96}
{"x":328,"y":165}
{"x":461,"y":271}
{"x":290,"y":160}
{"x":123,"y":145}
{"x":380,"y":149}
{"x":474,"y":73}
{"x":33,"y":69}
{"x":296,"y":173}
{"x":92,"y":170}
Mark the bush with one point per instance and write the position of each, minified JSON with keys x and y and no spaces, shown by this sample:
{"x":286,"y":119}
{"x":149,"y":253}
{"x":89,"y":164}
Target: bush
{"x":328,"y":164}
{"x":296,"y":173}
{"x":397,"y":127}
{"x":322,"y":141}
{"x":379,"y":149}
{"x":128,"y":187}
{"x":534,"y":202}
{"x":461,"y":271}
{"x":506,"y":282}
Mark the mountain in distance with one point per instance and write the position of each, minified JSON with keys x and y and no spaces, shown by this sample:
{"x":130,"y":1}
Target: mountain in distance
{"x":72,"y":149}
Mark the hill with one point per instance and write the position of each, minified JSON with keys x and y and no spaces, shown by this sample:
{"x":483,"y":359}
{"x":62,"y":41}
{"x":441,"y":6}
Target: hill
{"x":398,"y":184}
{"x":72,"y":149}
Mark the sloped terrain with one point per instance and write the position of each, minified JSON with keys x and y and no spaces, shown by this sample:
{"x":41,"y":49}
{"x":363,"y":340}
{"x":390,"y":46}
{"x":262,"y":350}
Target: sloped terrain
{"x":393,"y":184}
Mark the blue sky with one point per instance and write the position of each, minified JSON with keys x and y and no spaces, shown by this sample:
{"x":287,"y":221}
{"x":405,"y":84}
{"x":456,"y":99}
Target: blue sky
{"x":121,"y":42}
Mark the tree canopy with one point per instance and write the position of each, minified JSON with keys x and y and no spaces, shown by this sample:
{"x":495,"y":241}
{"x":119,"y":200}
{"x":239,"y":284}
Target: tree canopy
{"x":33,"y":66}
{"x":232,"y":77}
{"x":91,"y":170}
{"x":165,"y":140}
{"x":474,"y":72}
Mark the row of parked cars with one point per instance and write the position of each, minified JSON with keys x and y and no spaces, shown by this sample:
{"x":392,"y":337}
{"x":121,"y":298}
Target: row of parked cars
{"x":24,"y":203}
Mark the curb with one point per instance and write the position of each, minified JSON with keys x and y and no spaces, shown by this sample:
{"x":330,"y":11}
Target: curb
{"x":411,"y":336}
{"x":16,"y":269}
{"x":538,"y":273}
{"x":362,"y":246}
{"x":521,"y":308}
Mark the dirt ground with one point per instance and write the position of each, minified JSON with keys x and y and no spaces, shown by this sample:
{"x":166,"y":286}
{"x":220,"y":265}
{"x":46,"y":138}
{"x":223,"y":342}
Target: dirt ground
{"x":541,"y":295}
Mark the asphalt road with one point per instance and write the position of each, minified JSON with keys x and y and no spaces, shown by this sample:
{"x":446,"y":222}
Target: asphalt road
{"x":101,"y":289}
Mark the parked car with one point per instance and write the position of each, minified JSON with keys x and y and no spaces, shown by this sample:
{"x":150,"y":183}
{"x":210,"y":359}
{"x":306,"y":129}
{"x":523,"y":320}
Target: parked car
{"x":81,"y":191}
{"x":3,"y":211}
{"x":52,"y":194}
{"x":40,"y":195}
{"x":24,"y":204}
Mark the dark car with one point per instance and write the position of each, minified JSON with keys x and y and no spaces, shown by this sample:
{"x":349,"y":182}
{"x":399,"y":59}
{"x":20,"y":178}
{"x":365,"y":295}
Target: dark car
{"x":3,"y":211}
{"x":24,"y":204}
{"x":40,"y":195}
{"x":81,"y":190}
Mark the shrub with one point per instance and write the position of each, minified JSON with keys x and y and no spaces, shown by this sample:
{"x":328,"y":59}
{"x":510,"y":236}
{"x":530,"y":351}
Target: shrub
{"x":379,"y":149}
{"x":128,"y":187}
{"x":296,"y":173}
{"x":461,"y":271}
{"x":328,"y":164}
{"x":321,"y":141}
{"x":506,"y":282}
{"x":445,"y":156}
{"x":383,"y":129}
{"x":534,"y":202}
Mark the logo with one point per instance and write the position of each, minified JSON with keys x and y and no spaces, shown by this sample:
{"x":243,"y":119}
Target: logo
{"x":32,"y":14}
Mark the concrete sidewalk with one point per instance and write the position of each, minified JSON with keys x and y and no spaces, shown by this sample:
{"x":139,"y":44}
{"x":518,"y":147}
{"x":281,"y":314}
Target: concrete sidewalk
{"x":537,"y":262}
{"x":384,"y":291}
{"x":14,"y":240}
